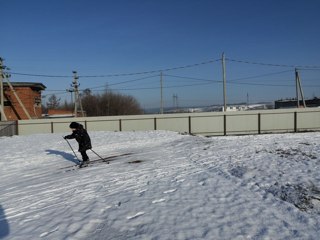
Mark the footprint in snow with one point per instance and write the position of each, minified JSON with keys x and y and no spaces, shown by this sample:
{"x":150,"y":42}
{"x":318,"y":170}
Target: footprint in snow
{"x":170,"y":191}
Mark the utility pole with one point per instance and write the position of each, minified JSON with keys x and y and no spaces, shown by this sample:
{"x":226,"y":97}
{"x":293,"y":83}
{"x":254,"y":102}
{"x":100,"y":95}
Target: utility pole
{"x":70,"y":90}
{"x":77,"y":99}
{"x":224,"y":82}
{"x":299,"y":88}
{"x":6,"y":76}
{"x":18,"y":99}
{"x":161,"y":94}
{"x":175,"y":101}
{"x":247,"y":99}
{"x":75,"y":90}
{"x":2,"y":114}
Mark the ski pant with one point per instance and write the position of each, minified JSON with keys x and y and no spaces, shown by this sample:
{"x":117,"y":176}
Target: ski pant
{"x":84,"y":155}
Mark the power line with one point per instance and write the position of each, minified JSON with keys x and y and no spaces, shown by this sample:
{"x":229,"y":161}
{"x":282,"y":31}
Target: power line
{"x":152,"y":76}
{"x":157,"y":87}
{"x":300,"y":67}
{"x":262,"y":84}
{"x":274,"y":65}
{"x":116,"y":75}
{"x":271,"y":85}
{"x":259,"y":76}
{"x":192,"y":78}
{"x":231,"y":81}
{"x":40,"y":75}
{"x":54,"y":90}
{"x":153,"y":71}
{"x":58,"y":92}
{"x":308,"y":69}
{"x":208,"y":81}
{"x":128,"y":81}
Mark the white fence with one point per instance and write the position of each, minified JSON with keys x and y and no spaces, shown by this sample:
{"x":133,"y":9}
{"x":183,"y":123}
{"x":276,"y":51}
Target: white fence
{"x":208,"y":124}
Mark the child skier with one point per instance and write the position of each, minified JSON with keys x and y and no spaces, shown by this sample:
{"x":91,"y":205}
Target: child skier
{"x":82,"y":137}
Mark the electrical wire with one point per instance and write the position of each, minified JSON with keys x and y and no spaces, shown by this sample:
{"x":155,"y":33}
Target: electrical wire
{"x":191,"y":78}
{"x":116,"y":75}
{"x":128,"y":81}
{"x":208,"y":81}
{"x":39,"y":75}
{"x":259,"y":76}
{"x":152,"y":71}
{"x":157,"y":87}
{"x":273,"y":65}
{"x":300,"y":67}
{"x":272,"y":85}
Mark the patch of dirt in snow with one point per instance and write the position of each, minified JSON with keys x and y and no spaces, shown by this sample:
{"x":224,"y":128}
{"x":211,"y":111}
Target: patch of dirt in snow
{"x":291,"y":153}
{"x":286,"y":153}
{"x":238,"y":171}
{"x":305,"y":198}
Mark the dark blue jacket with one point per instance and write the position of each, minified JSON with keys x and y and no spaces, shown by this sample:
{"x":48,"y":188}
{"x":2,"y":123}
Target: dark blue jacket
{"x":82,"y":137}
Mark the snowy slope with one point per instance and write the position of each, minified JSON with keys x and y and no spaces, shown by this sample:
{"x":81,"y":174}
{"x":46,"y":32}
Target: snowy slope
{"x":164,"y":186}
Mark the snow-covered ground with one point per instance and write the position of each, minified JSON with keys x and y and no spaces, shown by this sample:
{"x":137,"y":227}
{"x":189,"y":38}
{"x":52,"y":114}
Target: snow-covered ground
{"x":163,"y":186}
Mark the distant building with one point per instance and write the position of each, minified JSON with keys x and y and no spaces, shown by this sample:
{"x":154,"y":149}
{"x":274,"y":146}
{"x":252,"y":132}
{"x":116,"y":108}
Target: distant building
{"x":59,"y":113}
{"x":62,"y":113}
{"x":233,"y":108}
{"x":292,"y":103}
{"x":29,"y":94}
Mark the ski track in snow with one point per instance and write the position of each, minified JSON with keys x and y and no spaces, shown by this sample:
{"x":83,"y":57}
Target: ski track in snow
{"x":175,"y":187}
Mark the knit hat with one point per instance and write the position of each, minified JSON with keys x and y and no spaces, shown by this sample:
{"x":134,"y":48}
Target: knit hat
{"x":74,"y":125}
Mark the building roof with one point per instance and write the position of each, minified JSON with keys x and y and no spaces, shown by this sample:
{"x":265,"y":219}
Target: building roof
{"x":36,"y":85}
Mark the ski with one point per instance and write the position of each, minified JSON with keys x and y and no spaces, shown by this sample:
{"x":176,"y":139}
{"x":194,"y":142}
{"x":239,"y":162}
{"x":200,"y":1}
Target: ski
{"x":106,"y":160}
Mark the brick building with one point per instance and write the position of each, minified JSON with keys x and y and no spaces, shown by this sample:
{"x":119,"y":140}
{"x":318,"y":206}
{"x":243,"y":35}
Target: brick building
{"x":29,"y":94}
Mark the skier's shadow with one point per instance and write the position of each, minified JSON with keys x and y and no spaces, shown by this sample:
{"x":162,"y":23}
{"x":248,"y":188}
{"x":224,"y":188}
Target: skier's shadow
{"x":4,"y":225}
{"x":67,"y":156}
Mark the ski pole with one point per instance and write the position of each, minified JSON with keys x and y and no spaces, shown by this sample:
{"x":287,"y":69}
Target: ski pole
{"x":97,"y":154}
{"x":72,"y":149}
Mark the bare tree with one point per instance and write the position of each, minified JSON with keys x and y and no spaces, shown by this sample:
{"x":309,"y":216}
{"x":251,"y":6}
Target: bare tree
{"x":67,"y":106}
{"x":110,"y":103}
{"x":53,"y":102}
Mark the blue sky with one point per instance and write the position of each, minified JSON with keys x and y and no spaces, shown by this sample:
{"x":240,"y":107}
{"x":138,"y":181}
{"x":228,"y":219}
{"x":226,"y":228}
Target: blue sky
{"x":96,"y":37}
